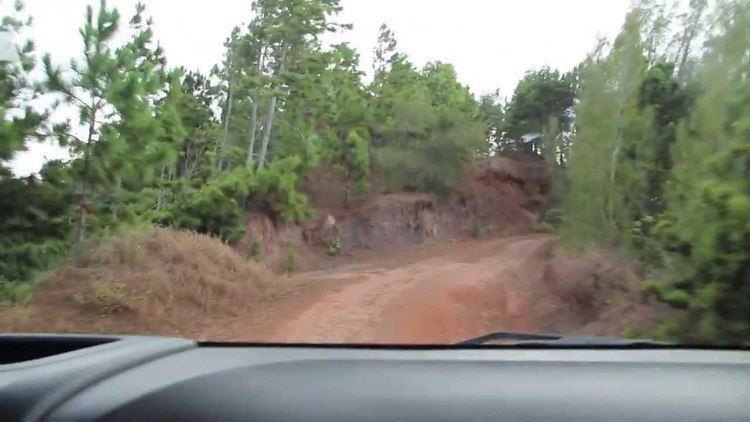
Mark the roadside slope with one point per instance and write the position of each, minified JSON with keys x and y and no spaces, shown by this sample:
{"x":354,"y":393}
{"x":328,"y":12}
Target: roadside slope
{"x":155,"y":281}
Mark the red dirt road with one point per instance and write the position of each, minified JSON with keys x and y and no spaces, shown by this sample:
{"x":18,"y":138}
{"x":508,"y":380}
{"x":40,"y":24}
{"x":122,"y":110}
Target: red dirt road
{"x":443,"y":294}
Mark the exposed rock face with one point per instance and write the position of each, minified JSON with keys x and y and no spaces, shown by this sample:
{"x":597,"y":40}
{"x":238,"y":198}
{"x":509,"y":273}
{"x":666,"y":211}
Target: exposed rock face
{"x":500,"y":195}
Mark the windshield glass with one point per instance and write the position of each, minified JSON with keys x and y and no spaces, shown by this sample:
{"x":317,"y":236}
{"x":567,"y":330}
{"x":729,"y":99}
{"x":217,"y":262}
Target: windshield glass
{"x":402,"y":172}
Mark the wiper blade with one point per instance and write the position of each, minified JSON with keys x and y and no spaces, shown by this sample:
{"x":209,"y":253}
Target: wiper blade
{"x":553,"y":340}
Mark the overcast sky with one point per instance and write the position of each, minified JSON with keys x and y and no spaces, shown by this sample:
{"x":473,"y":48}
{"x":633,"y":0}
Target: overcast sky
{"x":491,"y":43}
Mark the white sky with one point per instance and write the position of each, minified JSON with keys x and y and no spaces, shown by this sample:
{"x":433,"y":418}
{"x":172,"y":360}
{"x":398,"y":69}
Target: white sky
{"x":491,"y":43}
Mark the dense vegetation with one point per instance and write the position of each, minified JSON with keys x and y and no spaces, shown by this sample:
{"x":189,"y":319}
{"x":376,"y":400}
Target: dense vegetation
{"x":660,"y":160}
{"x":649,"y":135}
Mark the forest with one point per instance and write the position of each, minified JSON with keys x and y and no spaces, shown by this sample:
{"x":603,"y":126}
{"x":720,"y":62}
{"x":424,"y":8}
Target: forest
{"x":648,"y":138}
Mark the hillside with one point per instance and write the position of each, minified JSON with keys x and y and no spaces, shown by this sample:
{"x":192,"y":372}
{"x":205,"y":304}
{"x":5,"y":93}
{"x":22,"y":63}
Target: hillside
{"x":412,"y":268}
{"x":150,"y":281}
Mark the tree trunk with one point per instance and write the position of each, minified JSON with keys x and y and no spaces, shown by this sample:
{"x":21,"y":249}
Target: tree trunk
{"x":83,"y":197}
{"x":690,"y":33}
{"x":613,"y":163}
{"x":613,"y":175}
{"x":269,"y":119}
{"x":225,"y":133}
{"x":267,"y":133}
{"x":254,"y":116}
{"x":251,"y":135}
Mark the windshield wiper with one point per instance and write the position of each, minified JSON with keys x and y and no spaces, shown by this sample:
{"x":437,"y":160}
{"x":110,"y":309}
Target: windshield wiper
{"x":553,"y":340}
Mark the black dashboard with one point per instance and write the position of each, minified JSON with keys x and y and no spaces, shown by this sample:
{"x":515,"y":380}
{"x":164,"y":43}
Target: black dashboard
{"x":71,"y":378}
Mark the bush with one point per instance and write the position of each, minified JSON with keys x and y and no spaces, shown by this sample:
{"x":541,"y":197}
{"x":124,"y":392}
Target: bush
{"x":334,"y":246}
{"x":217,"y":207}
{"x":355,"y":162}
{"x":708,"y":239}
{"x":256,"y":247}
{"x":35,"y":223}
{"x":435,"y":161}
{"x":20,"y":259}
{"x":289,"y":261}
{"x":14,"y":292}
{"x":107,"y":298}
{"x":275,"y":189}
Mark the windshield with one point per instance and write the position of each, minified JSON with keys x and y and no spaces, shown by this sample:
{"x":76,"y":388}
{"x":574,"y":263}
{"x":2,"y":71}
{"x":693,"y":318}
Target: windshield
{"x":391,"y":172}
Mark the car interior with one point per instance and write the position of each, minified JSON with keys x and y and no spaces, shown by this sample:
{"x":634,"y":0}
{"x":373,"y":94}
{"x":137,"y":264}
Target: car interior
{"x":126,"y":378}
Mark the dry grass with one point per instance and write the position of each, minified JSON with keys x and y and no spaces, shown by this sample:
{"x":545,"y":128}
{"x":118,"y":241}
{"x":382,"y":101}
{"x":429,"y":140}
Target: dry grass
{"x":150,"y":281}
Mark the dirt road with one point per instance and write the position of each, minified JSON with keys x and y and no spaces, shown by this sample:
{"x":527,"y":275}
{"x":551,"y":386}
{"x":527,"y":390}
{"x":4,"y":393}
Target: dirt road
{"x":440,"y":292}
{"x":450,"y":292}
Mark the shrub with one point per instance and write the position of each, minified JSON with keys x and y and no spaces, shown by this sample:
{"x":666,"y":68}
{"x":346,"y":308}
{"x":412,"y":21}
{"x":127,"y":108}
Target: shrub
{"x":434,"y":161}
{"x":14,"y":292}
{"x":289,"y":261}
{"x":217,"y":207}
{"x":334,"y":246}
{"x":275,"y":189}
{"x":106,"y":297}
{"x":256,"y":247}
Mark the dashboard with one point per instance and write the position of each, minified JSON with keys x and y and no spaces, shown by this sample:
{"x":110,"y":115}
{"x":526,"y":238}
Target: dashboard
{"x":112,"y":378}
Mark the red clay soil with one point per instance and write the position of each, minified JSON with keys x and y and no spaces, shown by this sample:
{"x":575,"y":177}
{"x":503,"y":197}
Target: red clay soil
{"x":186,"y":285}
{"x":456,"y":295}
{"x":456,"y":291}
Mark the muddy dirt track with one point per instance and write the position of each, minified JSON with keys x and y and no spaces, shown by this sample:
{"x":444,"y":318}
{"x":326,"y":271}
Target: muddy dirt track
{"x":436,"y":292}
{"x":442,"y":294}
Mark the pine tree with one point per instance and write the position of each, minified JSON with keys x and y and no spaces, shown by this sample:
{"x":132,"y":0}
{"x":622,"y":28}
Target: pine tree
{"x":132,"y":136}
{"x":18,"y":121}
{"x":611,"y":128}
{"x":704,"y":229}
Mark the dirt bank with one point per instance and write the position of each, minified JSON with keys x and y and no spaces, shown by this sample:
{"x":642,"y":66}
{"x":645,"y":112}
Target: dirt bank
{"x":500,"y":196}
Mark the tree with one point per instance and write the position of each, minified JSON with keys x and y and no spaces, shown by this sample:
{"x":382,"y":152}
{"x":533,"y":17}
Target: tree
{"x":385,"y":51}
{"x":18,"y":121}
{"x":355,"y":163}
{"x":288,"y":29}
{"x":492,"y":113}
{"x":88,"y":92}
{"x":693,"y":25}
{"x":35,"y":215}
{"x":132,"y":129}
{"x":541,"y":95}
{"x":704,"y":228}
{"x":669,"y":103}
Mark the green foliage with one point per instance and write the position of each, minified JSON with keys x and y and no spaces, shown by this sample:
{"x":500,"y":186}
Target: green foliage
{"x":541,"y":95}
{"x":428,"y":128}
{"x":215,"y":208}
{"x":289,"y":261}
{"x":630,"y":332}
{"x":35,"y":222}
{"x":104,"y":297}
{"x":15,"y":292}
{"x":18,"y":121}
{"x":218,"y":206}
{"x":664,"y":167}
{"x":607,"y":165}
{"x":492,"y":114}
{"x":356,"y":164}
{"x":275,"y":190}
{"x":334,"y":246}
{"x":256,"y":247}
{"x":705,"y":228}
